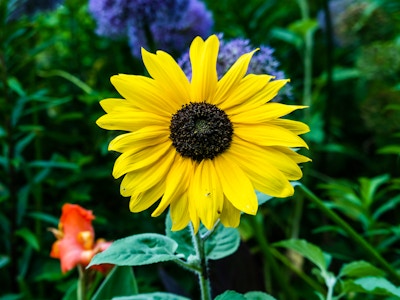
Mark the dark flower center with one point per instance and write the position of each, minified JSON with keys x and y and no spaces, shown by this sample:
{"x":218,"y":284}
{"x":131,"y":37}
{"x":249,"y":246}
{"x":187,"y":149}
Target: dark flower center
{"x":200,"y":131}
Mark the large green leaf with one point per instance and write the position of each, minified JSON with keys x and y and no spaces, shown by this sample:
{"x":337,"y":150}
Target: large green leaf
{"x":152,"y":296}
{"x":371,"y":285}
{"x":232,"y":295}
{"x":222,"y":242}
{"x":360,"y":269}
{"x":308,"y":250}
{"x":138,"y":250}
{"x":120,"y":282}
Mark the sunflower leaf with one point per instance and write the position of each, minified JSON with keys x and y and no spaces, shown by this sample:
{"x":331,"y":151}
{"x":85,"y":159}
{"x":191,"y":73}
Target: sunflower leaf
{"x":138,"y":250}
{"x":152,"y":296}
{"x":222,"y":242}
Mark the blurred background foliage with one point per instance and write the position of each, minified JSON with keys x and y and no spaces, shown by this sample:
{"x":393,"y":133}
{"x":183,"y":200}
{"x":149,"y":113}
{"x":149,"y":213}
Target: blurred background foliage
{"x":343,"y":60}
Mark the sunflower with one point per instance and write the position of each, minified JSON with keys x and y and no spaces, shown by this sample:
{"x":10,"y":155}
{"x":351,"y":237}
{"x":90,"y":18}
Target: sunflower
{"x":202,"y":146}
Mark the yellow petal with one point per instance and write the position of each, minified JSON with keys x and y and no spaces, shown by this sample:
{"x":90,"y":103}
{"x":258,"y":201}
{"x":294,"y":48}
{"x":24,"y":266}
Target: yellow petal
{"x":176,"y":182}
{"x":236,"y":186}
{"x":167,"y":73}
{"x":203,"y":57}
{"x":231,"y":79}
{"x":249,"y":87}
{"x":144,"y":93}
{"x":129,"y":141}
{"x":268,"y":93}
{"x":206,"y":193}
{"x":111,"y":104}
{"x":294,"y":126}
{"x":264,"y":113}
{"x":143,"y":200}
{"x":131,"y":120}
{"x":141,"y":137}
{"x":296,"y":157}
{"x":131,"y":160}
{"x":268,"y":135}
{"x":179,"y":213}
{"x":230,"y":216}
{"x":273,"y":156}
{"x":146,"y":178}
{"x":265,"y":177}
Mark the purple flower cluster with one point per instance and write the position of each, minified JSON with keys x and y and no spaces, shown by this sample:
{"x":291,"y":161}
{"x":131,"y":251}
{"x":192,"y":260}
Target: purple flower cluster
{"x":263,"y":61}
{"x":168,"y":25}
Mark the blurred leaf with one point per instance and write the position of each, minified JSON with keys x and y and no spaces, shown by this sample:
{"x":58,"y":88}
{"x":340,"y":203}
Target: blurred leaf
{"x":53,"y":164}
{"x":138,"y":250}
{"x":372,"y":286}
{"x":304,"y":27}
{"x":222,"y":242}
{"x":391,"y":149}
{"x":340,"y":74}
{"x":152,"y":296}
{"x":119,"y":282}
{"x":71,"y":78}
{"x":16,"y":86}
{"x":44,"y":217}
{"x":288,"y":36}
{"x":29,"y":237}
{"x":23,"y":142}
{"x":262,"y":198}
{"x":369,"y":186}
{"x":308,"y":250}
{"x":71,"y":293}
{"x":4,"y":260}
{"x":360,"y":269}
{"x":386,"y":206}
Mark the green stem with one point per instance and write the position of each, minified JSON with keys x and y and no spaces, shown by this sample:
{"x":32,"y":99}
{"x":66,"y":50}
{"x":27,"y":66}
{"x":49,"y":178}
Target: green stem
{"x":351,"y":232}
{"x":281,"y":279}
{"x":204,"y":279}
{"x":81,"y":291}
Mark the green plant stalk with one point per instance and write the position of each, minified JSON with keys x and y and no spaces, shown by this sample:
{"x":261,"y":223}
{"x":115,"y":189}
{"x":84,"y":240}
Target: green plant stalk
{"x":351,"y":232}
{"x":266,"y":251}
{"x":204,"y":279}
{"x":81,"y":291}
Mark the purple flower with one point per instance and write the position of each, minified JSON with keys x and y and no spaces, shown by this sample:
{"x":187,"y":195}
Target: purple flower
{"x":263,"y":61}
{"x":152,"y":24}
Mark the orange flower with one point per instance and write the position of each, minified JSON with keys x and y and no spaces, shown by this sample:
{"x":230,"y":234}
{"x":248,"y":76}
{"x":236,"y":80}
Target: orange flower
{"x":75,"y":239}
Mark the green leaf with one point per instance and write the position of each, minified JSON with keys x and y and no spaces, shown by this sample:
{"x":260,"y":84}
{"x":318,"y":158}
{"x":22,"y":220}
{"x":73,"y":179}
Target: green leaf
{"x":371,"y":285}
{"x":230,"y":295}
{"x":288,"y":36}
{"x":302,"y":27}
{"x":308,"y":250}
{"x":391,"y":149}
{"x":223,"y":242}
{"x":152,"y":296}
{"x":138,"y":250}
{"x":4,"y":260}
{"x":182,"y":237}
{"x":258,"y":296}
{"x":262,"y":198}
{"x":119,"y":282}
{"x":29,"y":237}
{"x":369,"y":186}
{"x":360,"y":269}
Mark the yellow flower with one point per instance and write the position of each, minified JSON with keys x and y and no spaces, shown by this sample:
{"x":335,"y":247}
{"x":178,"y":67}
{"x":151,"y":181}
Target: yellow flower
{"x":203,"y":147}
